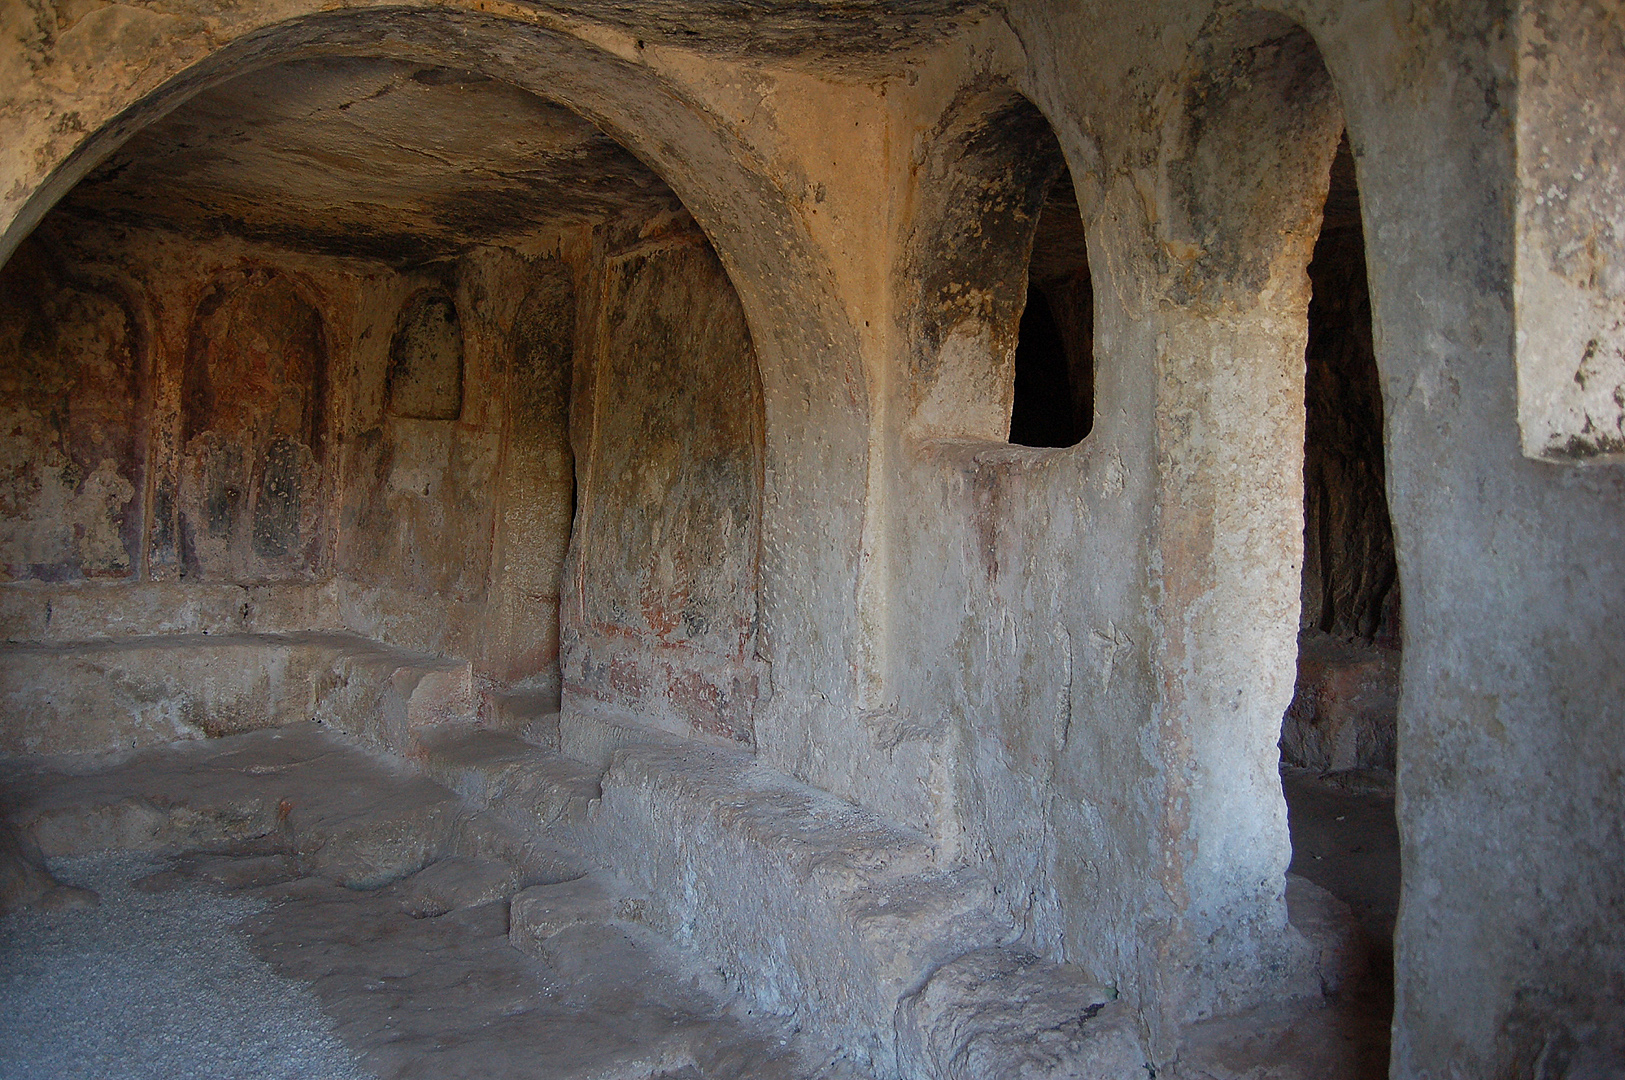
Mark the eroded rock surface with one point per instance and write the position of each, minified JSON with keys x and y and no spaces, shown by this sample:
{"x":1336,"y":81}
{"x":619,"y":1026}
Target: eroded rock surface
{"x":26,"y":883}
{"x":1345,"y":707}
{"x":1004,"y":1014}
{"x":380,"y":921}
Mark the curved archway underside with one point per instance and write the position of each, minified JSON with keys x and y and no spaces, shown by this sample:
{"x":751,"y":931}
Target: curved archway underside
{"x":638,"y":377}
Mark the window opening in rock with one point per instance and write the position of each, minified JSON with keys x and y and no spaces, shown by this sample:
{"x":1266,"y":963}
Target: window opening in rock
{"x":1055,"y":374}
{"x":1338,"y":735}
{"x":1001,"y":325}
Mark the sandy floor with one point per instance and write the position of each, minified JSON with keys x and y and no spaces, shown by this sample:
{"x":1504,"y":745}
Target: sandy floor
{"x":1346,"y":840}
{"x":182,"y":977}
{"x":154,"y":986}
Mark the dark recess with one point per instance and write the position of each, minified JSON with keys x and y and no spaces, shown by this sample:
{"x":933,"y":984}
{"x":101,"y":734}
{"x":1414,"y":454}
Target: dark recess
{"x":1055,"y":364}
{"x":1350,"y":577}
{"x":1042,"y":415}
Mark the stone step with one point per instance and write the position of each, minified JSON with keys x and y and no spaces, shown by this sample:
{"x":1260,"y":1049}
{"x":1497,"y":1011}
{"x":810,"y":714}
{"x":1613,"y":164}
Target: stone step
{"x":385,"y":696}
{"x":904,"y":764}
{"x":414,"y":955}
{"x":818,"y":910}
{"x":807,"y":903}
{"x":589,"y":932}
{"x":451,"y":884}
{"x":500,"y":770}
{"x":591,"y":732}
{"x":538,"y":914}
{"x":537,"y":857}
{"x":64,"y":697}
{"x":531,"y":714}
{"x":1334,"y":952}
{"x":345,"y":813}
{"x":1003,"y":1014}
{"x":530,"y":804}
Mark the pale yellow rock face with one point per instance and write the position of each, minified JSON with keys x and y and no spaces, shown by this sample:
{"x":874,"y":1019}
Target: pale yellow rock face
{"x":642,"y":378}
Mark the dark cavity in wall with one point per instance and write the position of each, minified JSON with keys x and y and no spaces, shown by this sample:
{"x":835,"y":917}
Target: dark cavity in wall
{"x":1055,"y":365}
{"x":1343,"y":714}
{"x":1350,"y":577}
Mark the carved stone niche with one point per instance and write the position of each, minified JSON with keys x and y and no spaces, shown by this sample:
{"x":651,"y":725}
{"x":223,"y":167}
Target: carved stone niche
{"x":426,"y":360}
{"x":247,"y":499}
{"x":1569,"y":290}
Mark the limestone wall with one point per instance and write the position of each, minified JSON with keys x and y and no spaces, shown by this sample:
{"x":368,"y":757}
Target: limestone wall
{"x":75,"y":427}
{"x":1069,"y":666}
{"x":221,"y":449}
{"x":395,"y":445}
{"x":663,"y":613}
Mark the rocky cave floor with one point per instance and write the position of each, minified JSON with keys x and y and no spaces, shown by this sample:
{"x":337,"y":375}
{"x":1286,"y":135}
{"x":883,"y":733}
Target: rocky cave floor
{"x":1345,"y":839}
{"x":284,"y":904}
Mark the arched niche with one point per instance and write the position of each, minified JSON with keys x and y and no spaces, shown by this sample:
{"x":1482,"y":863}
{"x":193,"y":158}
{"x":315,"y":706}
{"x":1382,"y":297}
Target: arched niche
{"x":670,"y":530}
{"x":248,"y":491}
{"x":74,"y":386}
{"x":1000,"y":320}
{"x":425,"y":379}
{"x":444,"y":286}
{"x":806,"y":345}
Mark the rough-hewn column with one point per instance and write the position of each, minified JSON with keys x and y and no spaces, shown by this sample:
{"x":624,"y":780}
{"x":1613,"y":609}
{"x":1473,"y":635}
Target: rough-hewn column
{"x":1569,"y":278}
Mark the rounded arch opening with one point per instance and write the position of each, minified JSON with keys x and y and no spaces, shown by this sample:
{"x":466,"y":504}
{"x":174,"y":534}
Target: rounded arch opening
{"x":1002,"y":318}
{"x":507,"y":332}
{"x":1265,"y":261}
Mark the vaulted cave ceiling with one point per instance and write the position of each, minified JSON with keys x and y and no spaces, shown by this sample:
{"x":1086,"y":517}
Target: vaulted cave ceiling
{"x":372,"y":158}
{"x":852,"y":36}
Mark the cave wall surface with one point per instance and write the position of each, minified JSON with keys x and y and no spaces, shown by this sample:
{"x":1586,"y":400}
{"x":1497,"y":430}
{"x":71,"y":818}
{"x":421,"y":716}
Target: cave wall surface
{"x":242,"y":499}
{"x":386,"y":451}
{"x":1068,"y":666}
{"x":536,"y":498}
{"x":1509,"y":658}
{"x":76,"y":393}
{"x":663,"y":624}
{"x":1569,"y":295}
{"x":260,"y":390}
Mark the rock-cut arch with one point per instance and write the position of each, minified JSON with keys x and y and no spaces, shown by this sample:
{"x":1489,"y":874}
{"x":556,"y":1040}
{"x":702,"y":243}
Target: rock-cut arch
{"x":1245,"y":169}
{"x":992,"y":164}
{"x":806,"y":347}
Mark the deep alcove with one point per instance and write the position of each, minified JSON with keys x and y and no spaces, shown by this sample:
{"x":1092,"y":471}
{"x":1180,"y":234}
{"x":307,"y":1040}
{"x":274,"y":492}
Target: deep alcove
{"x":1055,"y":367}
{"x":1343,"y":715}
{"x":352,"y":348}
